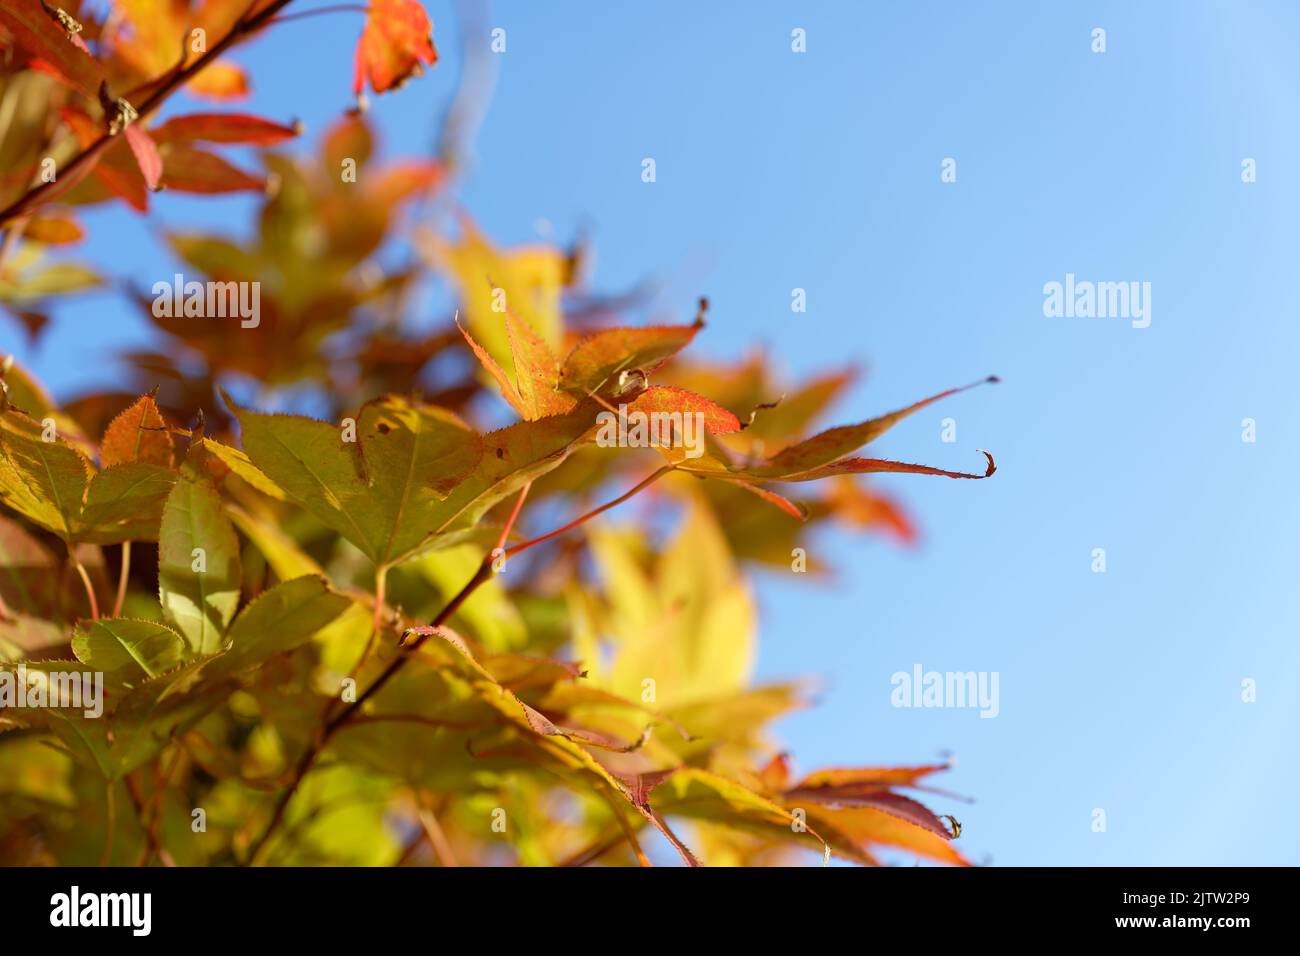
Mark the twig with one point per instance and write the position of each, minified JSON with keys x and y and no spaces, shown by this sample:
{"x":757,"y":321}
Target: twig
{"x":110,"y":823}
{"x":437,"y":839}
{"x":148,"y":823}
{"x":482,"y":575}
{"x":517,"y":549}
{"x":332,"y":725}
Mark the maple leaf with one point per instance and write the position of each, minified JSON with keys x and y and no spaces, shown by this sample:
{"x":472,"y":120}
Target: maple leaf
{"x":220,"y":81}
{"x":52,"y":46}
{"x":600,"y":359}
{"x":128,"y":651}
{"x":384,"y":489}
{"x":52,"y":483}
{"x":824,"y":455}
{"x":198,"y":565}
{"x":224,"y":128}
{"x":53,"y":229}
{"x":396,"y":41}
{"x":526,"y":282}
{"x":532,"y":392}
{"x":138,"y":434}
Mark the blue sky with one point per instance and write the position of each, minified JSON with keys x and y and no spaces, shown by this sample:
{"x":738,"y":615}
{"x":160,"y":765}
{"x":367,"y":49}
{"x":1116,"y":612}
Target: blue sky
{"x":821,"y":170}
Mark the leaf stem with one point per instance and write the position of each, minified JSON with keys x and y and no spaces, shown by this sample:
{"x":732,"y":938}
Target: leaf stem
{"x":514,"y":516}
{"x":122,"y":579}
{"x":377,"y":625}
{"x":433,"y":830}
{"x":591,"y":514}
{"x":85,"y":579}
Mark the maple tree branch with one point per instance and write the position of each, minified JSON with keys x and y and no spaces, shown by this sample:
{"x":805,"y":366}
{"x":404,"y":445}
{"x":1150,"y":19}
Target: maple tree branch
{"x":484,"y":573}
{"x":332,"y":725}
{"x":243,"y":27}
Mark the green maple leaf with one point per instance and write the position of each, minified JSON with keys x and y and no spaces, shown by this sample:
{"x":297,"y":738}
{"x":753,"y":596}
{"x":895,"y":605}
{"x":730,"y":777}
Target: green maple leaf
{"x":53,"y":484}
{"x":198,"y":565}
{"x":383,"y":490}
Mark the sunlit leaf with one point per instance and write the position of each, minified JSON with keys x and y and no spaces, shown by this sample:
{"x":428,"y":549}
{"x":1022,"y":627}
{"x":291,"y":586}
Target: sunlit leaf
{"x":128,"y":651}
{"x":198,"y":566}
{"x":383,"y":490}
{"x":278,"y":621}
{"x":138,"y":434}
{"x":397,"y":39}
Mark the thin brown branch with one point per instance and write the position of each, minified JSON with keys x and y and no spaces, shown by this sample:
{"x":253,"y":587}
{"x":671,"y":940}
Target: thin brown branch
{"x":591,"y":514}
{"x":514,"y":516}
{"x":148,"y":823}
{"x":332,"y":725}
{"x":481,"y":576}
{"x":442,"y":850}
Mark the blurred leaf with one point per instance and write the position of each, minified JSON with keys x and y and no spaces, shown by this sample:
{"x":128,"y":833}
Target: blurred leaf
{"x":189,"y":170}
{"x":58,"y":278}
{"x":222,"y":80}
{"x":397,"y":39}
{"x":54,"y":230}
{"x":223,"y":128}
{"x":41,"y":38}
{"x":146,"y":155}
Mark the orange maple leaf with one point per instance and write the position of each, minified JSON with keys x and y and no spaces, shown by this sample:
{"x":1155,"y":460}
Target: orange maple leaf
{"x":398,"y":37}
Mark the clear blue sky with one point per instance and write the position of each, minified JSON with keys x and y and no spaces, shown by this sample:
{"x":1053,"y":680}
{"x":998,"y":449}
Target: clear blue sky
{"x":775,"y":170}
